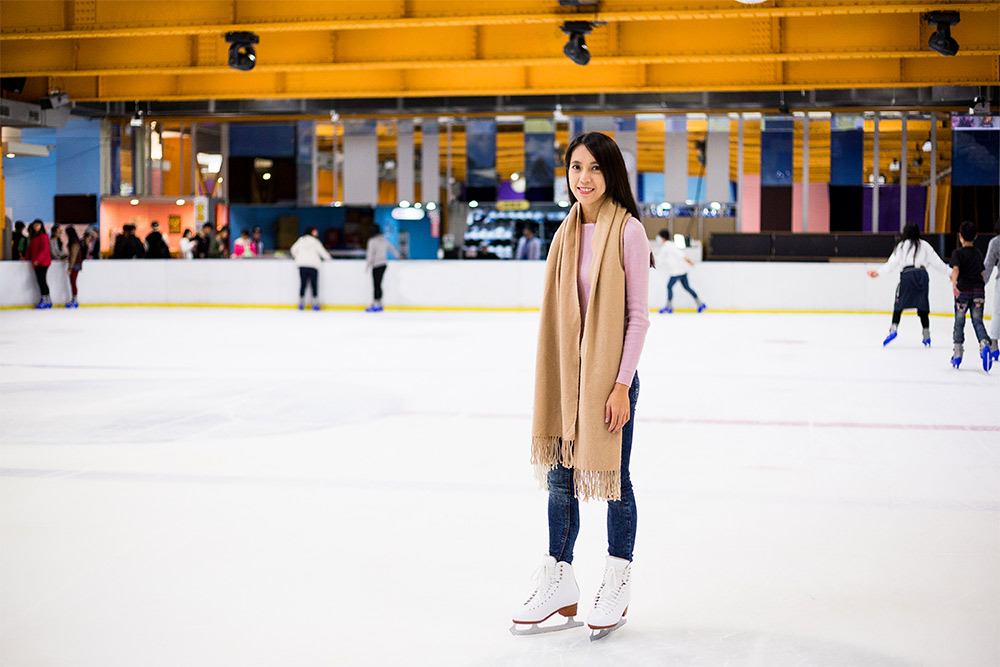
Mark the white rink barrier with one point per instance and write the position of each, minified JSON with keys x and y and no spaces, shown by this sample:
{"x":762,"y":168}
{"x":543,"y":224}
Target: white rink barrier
{"x":753,"y":286}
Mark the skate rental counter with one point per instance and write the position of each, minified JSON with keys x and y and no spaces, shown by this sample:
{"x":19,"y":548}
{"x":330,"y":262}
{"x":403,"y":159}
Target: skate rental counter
{"x":479,"y":284}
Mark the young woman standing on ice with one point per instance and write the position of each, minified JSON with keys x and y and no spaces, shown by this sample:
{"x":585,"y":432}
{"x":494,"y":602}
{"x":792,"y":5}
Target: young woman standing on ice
{"x":912,"y":255}
{"x":595,"y":314}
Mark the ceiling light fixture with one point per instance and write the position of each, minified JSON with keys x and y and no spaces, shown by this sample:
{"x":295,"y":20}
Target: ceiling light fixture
{"x":941,"y":41}
{"x":242,"y":55}
{"x":576,"y":48}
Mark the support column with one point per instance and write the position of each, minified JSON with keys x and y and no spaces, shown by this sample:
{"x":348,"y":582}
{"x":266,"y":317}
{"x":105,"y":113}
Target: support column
{"x":902,"y":176}
{"x":805,"y":172}
{"x":305,"y":162}
{"x":430,"y":161}
{"x":195,"y":171}
{"x":361,"y":153}
{"x":875,"y":187}
{"x":675,"y":159}
{"x":138,"y":160}
{"x":627,"y":140}
{"x":717,"y":160}
{"x":932,"y":228}
{"x":405,"y":168}
{"x":739,"y":173}
{"x":336,"y":175}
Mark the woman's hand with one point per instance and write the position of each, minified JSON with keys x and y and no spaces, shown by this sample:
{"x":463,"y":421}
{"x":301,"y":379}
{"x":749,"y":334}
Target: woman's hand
{"x":616,"y":410}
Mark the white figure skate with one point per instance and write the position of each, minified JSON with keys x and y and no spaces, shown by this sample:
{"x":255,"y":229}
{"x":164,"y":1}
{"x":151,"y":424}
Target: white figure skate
{"x":611,"y":603}
{"x":556,"y":593}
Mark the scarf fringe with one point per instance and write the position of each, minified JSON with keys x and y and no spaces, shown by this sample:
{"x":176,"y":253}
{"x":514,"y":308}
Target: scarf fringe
{"x":551,"y":451}
{"x":597,"y":484}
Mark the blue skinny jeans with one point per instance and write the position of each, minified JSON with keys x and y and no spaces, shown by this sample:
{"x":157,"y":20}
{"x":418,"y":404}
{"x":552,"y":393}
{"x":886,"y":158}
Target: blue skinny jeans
{"x":564,"y":508}
{"x":972,"y":303}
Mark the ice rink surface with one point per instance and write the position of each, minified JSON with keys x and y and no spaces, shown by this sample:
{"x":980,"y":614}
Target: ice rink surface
{"x":270,"y":487}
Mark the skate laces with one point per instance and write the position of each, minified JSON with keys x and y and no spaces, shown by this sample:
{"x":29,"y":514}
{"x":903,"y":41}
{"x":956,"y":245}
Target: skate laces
{"x":607,"y":597}
{"x":544,"y":577}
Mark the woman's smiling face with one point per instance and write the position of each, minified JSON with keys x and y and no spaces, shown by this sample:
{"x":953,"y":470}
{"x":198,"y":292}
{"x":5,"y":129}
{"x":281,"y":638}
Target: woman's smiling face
{"x":586,"y":180}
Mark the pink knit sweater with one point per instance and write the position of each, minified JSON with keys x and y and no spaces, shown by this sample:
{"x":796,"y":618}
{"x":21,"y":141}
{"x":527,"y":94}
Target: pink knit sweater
{"x":636,"y":251}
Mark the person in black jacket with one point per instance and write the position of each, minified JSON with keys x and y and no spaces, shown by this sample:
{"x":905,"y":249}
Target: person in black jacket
{"x":19,"y":241}
{"x":156,"y":247}
{"x":128,"y":245}
{"x":203,"y":242}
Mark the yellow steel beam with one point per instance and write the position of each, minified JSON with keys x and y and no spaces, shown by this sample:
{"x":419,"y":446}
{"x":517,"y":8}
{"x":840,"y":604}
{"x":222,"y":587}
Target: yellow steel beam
{"x":98,"y":50}
{"x":153,"y":13}
{"x":679,"y":59}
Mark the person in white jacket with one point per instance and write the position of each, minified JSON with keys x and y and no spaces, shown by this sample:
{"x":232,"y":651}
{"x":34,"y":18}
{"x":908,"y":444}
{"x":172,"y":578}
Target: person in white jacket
{"x":676,"y":264}
{"x":309,"y":253}
{"x":993,"y":260}
{"x":376,"y":258}
{"x":911,"y":256}
{"x":188,"y":245}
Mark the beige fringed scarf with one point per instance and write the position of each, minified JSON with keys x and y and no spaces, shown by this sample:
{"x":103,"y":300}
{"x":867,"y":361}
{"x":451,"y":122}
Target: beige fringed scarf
{"x":574,"y":374}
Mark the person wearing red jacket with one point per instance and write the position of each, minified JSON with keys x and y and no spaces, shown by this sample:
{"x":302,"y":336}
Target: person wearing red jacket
{"x":40,"y":256}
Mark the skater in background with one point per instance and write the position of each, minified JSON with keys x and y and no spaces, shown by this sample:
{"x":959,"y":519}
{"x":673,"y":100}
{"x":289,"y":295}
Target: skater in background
{"x":669,"y":256}
{"x":993,"y":261}
{"x":57,"y":249}
{"x":911,"y":256}
{"x":243,"y":247}
{"x":203,"y":242}
{"x":376,"y":259}
{"x":19,"y":242}
{"x":74,"y":264}
{"x":968,"y":283}
{"x":529,"y":246}
{"x":586,"y":385}
{"x":128,"y":245}
{"x":188,"y":245}
{"x":156,"y":247}
{"x":309,"y":253}
{"x":257,"y":243}
{"x":219,"y":246}
{"x":40,"y":256}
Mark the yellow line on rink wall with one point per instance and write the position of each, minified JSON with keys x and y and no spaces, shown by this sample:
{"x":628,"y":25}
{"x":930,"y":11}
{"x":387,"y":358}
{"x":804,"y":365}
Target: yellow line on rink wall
{"x":473,"y":309}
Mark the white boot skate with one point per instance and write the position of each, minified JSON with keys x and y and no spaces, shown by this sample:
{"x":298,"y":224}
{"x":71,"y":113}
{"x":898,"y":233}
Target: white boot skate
{"x":611,"y":603}
{"x":556,"y":593}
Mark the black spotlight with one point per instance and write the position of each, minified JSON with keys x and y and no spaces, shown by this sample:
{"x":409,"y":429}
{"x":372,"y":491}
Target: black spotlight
{"x":576,"y":48}
{"x":941,"y":41}
{"x":241,"y":52}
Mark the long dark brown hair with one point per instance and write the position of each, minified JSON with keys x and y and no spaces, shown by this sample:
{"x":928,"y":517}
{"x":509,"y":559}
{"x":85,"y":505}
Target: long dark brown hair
{"x":609,"y":158}
{"x":911,"y":233}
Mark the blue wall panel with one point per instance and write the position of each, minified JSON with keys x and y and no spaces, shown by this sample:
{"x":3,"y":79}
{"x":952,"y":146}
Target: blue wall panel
{"x":847,"y":152}
{"x":262,"y":140}
{"x":975,"y":157}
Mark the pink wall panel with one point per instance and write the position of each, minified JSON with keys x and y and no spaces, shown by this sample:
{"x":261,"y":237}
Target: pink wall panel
{"x":750,"y":202}
{"x":819,"y":207}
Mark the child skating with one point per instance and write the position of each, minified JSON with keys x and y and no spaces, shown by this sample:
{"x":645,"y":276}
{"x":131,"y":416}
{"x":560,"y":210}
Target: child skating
{"x":676,"y":264}
{"x":911,"y":257}
{"x":969,"y":286}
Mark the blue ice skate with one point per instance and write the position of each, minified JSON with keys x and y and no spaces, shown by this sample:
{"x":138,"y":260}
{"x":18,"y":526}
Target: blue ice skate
{"x":926,"y":338}
{"x":956,"y":356}
{"x":701,"y":307}
{"x":996,"y":352}
{"x":667,"y":309}
{"x":987,"y":356}
{"x":316,"y":306}
{"x":891,"y":337}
